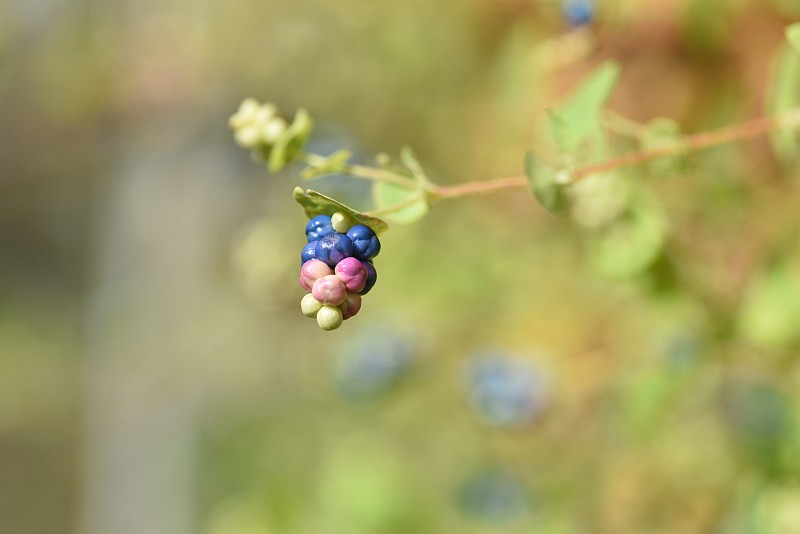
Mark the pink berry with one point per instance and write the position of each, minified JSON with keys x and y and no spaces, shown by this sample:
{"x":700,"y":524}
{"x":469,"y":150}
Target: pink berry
{"x":329,"y":290}
{"x":352,"y":272}
{"x":351,"y":305}
{"x":311,"y":271}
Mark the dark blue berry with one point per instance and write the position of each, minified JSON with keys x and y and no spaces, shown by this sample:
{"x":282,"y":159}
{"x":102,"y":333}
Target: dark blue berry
{"x":365,"y":243}
{"x":318,"y":227}
{"x":506,"y":391}
{"x":333,"y":248}
{"x":372,"y":277}
{"x":308,"y":252}
{"x":579,"y":12}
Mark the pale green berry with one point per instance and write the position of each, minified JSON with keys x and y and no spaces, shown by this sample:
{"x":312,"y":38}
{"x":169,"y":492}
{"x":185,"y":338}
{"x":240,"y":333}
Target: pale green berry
{"x":310,"y":306}
{"x":341,"y":222}
{"x":329,"y":318}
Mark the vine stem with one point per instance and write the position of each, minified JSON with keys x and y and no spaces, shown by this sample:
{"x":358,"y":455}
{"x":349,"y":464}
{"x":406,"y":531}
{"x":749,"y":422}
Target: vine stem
{"x":698,"y":141}
{"x":364,"y":172}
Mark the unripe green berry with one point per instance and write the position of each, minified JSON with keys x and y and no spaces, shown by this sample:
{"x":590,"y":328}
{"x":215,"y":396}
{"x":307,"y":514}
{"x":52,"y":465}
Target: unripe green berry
{"x":329,"y":318}
{"x":310,"y":306}
{"x":341,"y":222}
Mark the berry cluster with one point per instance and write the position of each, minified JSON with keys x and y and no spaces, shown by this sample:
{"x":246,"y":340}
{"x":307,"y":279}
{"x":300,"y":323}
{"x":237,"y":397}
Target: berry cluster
{"x":337,"y":268}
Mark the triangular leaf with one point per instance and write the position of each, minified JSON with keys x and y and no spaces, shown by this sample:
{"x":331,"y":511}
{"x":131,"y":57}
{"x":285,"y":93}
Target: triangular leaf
{"x":576,"y":126}
{"x":412,"y":203}
{"x":315,"y":203}
{"x":793,"y":36}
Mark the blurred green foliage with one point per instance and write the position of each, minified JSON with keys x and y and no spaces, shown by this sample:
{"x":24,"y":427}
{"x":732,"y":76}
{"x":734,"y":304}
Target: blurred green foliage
{"x":156,"y":374}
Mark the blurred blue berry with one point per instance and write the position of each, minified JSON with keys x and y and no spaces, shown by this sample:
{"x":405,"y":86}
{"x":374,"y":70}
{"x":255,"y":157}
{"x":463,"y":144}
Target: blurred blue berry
{"x":365,"y":243}
{"x":372,"y":277}
{"x":492,"y":496}
{"x":506,"y":391}
{"x":373,"y":362}
{"x":318,"y":227}
{"x":579,"y":12}
{"x":308,"y":252}
{"x":333,"y":248}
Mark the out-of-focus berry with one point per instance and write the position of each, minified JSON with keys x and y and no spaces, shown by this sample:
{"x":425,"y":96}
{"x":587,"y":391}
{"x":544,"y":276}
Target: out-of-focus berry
{"x":579,"y":12}
{"x":365,"y":243}
{"x":351,"y":305}
{"x":492,"y":496}
{"x":308,"y":252}
{"x":333,"y":248}
{"x":310,"y":306}
{"x":311,"y":271}
{"x":329,"y":317}
{"x":353,"y":273}
{"x":372,"y":277}
{"x":318,"y":227}
{"x":329,"y":290}
{"x":373,"y":361}
{"x":506,"y":391}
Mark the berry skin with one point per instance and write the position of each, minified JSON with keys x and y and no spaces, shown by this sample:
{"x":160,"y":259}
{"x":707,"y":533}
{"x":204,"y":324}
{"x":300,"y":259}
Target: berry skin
{"x":329,"y":290}
{"x":372,"y":277}
{"x":351,"y":305}
{"x":329,"y":318}
{"x":310,"y":306}
{"x":365,"y":243}
{"x":353,"y":273}
{"x":318,"y":227}
{"x":308,"y":252}
{"x":333,"y":248}
{"x":311,"y":271}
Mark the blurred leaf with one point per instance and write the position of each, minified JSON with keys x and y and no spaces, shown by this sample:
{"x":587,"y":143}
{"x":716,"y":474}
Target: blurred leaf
{"x":770,"y":314}
{"x":290,"y":142}
{"x":386,"y":196}
{"x":629,"y":245}
{"x":784,"y":95}
{"x":662,"y":132}
{"x":793,"y":36}
{"x":409,"y":159}
{"x":576,"y":125}
{"x":543,"y":181}
{"x":333,"y":164}
{"x":315,"y":203}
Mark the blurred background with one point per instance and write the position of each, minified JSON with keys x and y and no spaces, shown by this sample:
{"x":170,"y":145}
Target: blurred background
{"x":156,"y":375}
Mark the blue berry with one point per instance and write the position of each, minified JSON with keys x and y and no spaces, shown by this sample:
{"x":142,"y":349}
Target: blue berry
{"x":579,"y":12}
{"x":506,"y":391}
{"x":372,"y":277}
{"x":333,"y":248}
{"x":319,"y":227}
{"x":308,"y":252}
{"x":365,"y":243}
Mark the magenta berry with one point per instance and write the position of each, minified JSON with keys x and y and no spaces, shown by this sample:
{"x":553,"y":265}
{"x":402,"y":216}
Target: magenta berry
{"x":311,"y":271}
{"x":353,"y":273}
{"x":329,"y":290}
{"x":351,"y":305}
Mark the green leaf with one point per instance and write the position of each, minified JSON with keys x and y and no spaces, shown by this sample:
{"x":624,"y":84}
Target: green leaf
{"x":785,"y":95}
{"x":290,"y":142}
{"x":543,"y":180}
{"x":322,"y":166}
{"x":576,"y":126}
{"x":409,"y":159}
{"x":662,"y":132}
{"x":315,"y":203}
{"x":629,"y":245}
{"x":793,"y":36}
{"x":413,"y":202}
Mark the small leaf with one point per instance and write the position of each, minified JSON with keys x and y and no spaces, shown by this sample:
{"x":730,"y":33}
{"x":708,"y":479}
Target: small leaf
{"x":409,"y":159}
{"x":576,"y":126}
{"x":785,"y":95}
{"x":333,"y":164}
{"x":413,"y":202}
{"x":544,"y":183}
{"x":793,"y":36}
{"x":659,"y":133}
{"x":290,"y":142}
{"x":315,"y":203}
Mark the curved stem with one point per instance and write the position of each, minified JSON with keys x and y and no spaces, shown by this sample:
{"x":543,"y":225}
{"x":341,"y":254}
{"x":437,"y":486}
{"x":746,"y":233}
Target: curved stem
{"x":395,"y":208}
{"x":363,"y":172}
